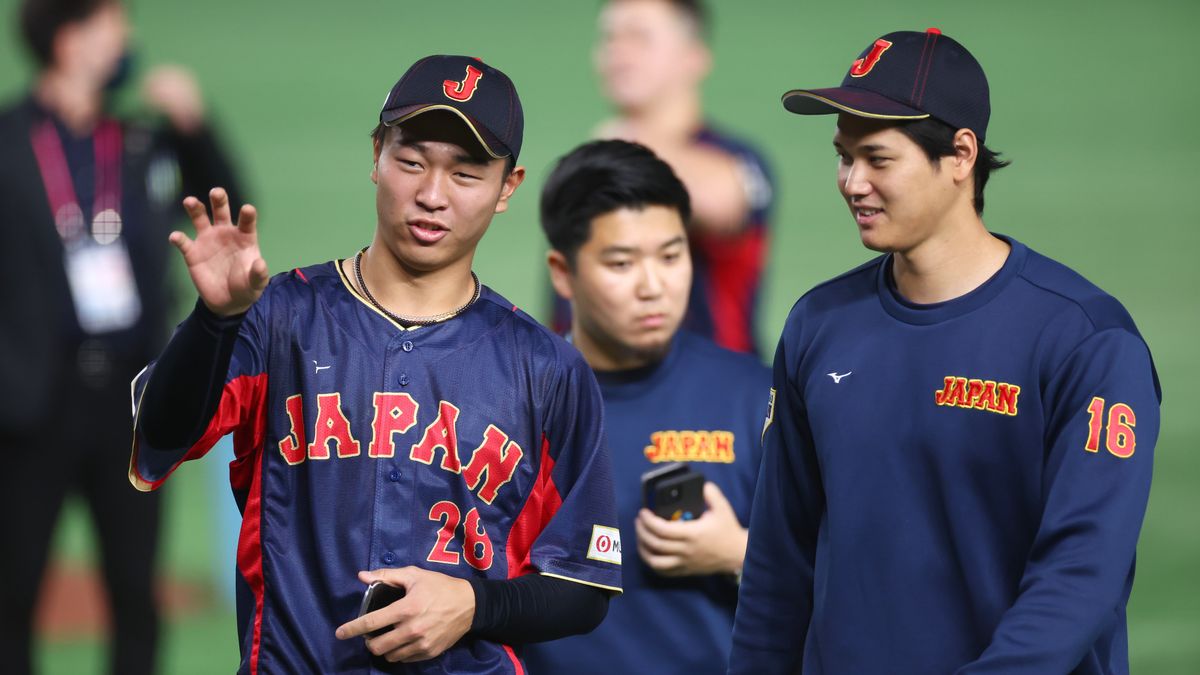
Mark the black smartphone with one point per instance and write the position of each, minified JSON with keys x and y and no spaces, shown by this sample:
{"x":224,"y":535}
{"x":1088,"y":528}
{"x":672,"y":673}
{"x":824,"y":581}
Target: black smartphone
{"x":378,"y":596}
{"x":674,"y":491}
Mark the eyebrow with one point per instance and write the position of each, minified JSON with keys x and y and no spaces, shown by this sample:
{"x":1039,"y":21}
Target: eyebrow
{"x":677,"y":240}
{"x":617,"y":249}
{"x":460,"y":158}
{"x":872,"y":147}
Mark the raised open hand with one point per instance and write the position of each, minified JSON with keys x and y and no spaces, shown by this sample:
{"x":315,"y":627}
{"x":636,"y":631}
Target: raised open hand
{"x":223,"y":260}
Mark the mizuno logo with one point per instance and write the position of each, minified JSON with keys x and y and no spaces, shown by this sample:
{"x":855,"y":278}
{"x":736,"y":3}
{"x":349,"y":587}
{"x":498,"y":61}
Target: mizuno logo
{"x":837,"y":379}
{"x":317,"y":369}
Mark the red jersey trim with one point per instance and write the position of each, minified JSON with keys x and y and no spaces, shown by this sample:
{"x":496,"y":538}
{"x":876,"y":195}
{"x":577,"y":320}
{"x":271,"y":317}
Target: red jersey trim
{"x":242,"y":411}
{"x":242,"y":400}
{"x":544,"y":501}
{"x":734,"y":273}
{"x":249,"y":554}
{"x":518,"y":669}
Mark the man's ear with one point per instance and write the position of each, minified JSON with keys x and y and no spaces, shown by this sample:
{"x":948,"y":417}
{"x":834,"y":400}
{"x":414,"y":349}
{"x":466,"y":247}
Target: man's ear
{"x":511,"y":182}
{"x":701,"y":61}
{"x":376,"y":149}
{"x":560,"y":274}
{"x":966,"y":153}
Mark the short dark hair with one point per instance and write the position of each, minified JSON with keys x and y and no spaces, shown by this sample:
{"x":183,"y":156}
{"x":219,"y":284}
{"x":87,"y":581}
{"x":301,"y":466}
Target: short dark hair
{"x":379,"y":135}
{"x":695,"y":11}
{"x":601,"y":177}
{"x":936,"y":138}
{"x":42,"y":19}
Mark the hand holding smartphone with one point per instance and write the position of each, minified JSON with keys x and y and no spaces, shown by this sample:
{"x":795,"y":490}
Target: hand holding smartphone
{"x":378,"y":596}
{"x":674,"y":492}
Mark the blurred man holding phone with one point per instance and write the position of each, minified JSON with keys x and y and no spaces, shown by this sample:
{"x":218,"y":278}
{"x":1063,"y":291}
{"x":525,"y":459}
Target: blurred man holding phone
{"x":614,"y":214}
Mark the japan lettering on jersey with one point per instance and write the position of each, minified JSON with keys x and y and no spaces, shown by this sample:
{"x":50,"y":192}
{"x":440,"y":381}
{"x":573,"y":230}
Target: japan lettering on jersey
{"x":472,"y":447}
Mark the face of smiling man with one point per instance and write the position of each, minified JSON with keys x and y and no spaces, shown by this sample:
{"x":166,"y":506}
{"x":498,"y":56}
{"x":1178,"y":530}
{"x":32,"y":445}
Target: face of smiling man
{"x":897,"y":196}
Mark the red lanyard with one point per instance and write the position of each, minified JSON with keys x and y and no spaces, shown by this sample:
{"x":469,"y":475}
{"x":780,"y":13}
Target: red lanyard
{"x":60,"y":188}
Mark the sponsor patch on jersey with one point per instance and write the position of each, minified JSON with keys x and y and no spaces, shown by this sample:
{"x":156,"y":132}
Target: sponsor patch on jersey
{"x":989,"y":395}
{"x":605,"y":545}
{"x":690,"y":446}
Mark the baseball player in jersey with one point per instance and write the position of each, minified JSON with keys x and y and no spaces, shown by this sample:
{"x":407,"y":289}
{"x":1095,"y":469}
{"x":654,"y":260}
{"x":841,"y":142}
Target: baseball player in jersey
{"x":614,"y":214}
{"x":958,"y":455}
{"x":392,"y":414}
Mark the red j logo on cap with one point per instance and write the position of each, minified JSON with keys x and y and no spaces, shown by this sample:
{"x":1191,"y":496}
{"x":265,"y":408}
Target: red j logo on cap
{"x":463,"y":91}
{"x":865,"y":64}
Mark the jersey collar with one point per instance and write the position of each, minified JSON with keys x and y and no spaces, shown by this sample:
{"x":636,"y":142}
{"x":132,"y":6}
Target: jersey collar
{"x":924,"y":315}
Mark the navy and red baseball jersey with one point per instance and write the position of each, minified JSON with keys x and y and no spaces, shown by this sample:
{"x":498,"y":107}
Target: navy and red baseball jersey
{"x":701,"y":405}
{"x":472,"y":447}
{"x":727,"y":269}
{"x":950,"y":488}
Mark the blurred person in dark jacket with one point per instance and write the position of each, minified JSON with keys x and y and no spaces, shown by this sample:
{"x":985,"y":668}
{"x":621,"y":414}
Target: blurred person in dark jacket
{"x":88,"y":201}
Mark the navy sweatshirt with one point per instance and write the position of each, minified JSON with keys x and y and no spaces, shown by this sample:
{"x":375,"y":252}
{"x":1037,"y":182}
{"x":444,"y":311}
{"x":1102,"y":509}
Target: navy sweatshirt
{"x":702,"y":405}
{"x":950,"y":488}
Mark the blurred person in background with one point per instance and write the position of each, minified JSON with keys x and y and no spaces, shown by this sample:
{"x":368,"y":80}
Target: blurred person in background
{"x":614,"y":215}
{"x":88,"y":201}
{"x":652,"y":58}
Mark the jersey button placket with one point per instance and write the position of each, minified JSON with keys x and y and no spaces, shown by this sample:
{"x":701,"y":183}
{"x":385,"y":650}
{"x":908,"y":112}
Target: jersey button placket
{"x":395,"y":487}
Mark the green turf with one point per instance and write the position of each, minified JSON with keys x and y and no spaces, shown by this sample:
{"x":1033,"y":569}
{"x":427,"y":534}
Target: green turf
{"x":1094,"y":102}
{"x":198,"y":645}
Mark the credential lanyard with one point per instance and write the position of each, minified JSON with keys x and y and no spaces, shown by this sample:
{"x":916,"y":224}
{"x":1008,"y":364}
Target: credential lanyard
{"x":99,"y":272}
{"x":60,"y":188}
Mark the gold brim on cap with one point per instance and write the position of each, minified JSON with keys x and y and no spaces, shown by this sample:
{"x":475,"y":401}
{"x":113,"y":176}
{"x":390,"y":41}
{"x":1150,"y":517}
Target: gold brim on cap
{"x":456,"y":111}
{"x":845,"y":108}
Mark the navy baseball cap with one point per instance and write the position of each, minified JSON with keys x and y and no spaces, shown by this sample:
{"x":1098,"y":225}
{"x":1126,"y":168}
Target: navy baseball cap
{"x":907,"y":76}
{"x":481,"y":95}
